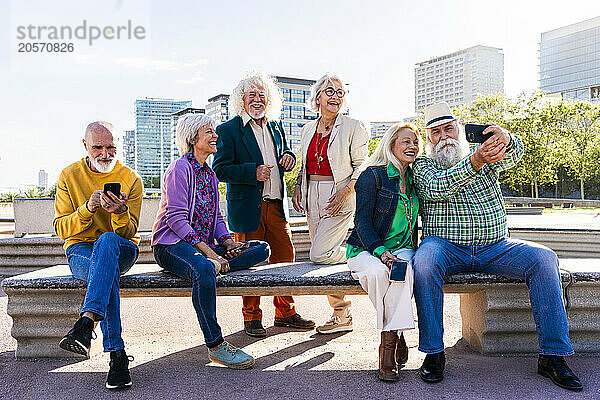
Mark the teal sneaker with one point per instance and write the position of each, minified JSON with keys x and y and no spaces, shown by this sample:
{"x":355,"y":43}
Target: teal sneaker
{"x":230,"y":356}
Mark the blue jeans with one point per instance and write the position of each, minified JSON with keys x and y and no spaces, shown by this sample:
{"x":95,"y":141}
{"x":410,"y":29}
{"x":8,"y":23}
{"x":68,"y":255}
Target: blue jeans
{"x":183,"y":260}
{"x":535,"y":264}
{"x":100,"y":264}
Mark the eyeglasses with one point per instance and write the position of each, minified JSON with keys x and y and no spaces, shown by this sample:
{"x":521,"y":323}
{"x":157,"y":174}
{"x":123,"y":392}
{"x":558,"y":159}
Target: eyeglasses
{"x":340,"y":93}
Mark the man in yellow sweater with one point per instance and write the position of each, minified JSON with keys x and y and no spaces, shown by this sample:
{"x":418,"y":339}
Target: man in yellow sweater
{"x":99,"y":229}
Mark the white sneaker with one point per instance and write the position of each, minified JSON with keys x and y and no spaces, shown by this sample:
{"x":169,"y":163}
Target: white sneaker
{"x":336,"y":324}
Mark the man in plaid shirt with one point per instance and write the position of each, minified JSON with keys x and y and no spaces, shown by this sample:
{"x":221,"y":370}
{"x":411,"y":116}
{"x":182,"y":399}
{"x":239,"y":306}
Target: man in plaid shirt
{"x":464,"y":225}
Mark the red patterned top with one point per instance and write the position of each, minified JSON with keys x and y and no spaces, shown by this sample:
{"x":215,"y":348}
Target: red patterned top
{"x":205,"y":206}
{"x":317,"y":150}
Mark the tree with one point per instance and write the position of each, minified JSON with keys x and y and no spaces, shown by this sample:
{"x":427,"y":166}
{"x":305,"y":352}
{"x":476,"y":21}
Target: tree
{"x":489,"y":109}
{"x":527,"y":117}
{"x":373,"y":143}
{"x":578,"y":138}
{"x":531,"y":118}
{"x":290,"y":177}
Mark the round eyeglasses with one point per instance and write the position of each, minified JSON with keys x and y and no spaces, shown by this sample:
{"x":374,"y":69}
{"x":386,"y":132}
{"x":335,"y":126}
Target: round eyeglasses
{"x":340,"y":93}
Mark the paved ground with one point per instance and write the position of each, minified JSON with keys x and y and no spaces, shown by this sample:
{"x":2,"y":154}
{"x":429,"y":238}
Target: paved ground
{"x":171,"y":362}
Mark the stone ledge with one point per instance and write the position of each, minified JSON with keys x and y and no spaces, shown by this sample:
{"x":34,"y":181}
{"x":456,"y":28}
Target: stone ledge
{"x":21,"y":255}
{"x":495,"y":311}
{"x":151,"y":276}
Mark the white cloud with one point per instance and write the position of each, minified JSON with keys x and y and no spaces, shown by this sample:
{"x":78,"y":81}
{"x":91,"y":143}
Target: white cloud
{"x":196,"y":78}
{"x":135,"y":64}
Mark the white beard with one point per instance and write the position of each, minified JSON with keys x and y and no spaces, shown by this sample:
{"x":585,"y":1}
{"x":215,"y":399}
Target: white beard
{"x":103,"y":166}
{"x":255,"y":114}
{"x":448,"y":152}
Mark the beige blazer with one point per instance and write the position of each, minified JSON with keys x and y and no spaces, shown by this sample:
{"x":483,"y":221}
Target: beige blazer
{"x":348,"y":148}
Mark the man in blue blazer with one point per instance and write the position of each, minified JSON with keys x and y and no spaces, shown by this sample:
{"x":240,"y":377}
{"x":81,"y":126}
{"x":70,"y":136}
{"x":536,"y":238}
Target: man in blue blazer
{"x":252,"y":156}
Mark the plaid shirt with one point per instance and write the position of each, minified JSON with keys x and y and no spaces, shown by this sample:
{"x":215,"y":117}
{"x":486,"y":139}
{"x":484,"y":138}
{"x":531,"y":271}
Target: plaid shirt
{"x":460,"y":204}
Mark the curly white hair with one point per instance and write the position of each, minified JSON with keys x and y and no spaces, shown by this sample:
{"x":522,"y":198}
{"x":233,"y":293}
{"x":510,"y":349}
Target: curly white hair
{"x":272,"y":93}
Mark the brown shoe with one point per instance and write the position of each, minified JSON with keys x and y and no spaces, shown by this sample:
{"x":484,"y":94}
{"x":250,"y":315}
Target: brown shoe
{"x":295,"y":321}
{"x":254,"y":328}
{"x":401,"y":351}
{"x":387,"y":360}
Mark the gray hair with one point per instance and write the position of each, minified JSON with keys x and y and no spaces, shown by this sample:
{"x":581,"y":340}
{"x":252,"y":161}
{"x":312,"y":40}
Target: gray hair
{"x":272,"y":92}
{"x":383,"y":154}
{"x":187,"y":129}
{"x":320,"y":85}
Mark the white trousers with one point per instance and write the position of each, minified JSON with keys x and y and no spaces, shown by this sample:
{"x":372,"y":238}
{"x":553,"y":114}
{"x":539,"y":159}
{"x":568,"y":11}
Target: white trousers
{"x":327,"y":234}
{"x":392,"y":300}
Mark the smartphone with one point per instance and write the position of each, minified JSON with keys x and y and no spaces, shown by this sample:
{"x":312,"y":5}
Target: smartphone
{"x":113,"y":187}
{"x":474,"y":133}
{"x":398,"y":272}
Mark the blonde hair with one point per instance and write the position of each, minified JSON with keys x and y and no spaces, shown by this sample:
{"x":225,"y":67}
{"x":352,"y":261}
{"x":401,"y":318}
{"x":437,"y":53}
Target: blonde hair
{"x":383,"y":154}
{"x":272,"y":92}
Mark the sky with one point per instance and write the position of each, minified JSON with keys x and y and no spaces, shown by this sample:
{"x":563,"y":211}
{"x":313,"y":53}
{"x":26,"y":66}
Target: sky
{"x":193,"y":50}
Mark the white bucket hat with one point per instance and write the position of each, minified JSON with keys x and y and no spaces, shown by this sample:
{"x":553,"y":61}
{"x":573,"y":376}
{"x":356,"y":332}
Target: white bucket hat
{"x":438,"y":114}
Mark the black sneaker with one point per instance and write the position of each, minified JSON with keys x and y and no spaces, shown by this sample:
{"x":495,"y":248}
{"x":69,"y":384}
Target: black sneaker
{"x":79,"y":339}
{"x":118,"y":374}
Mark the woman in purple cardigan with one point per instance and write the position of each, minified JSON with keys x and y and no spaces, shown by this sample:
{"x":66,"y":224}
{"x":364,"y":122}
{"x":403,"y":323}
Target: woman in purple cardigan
{"x":190,"y":238}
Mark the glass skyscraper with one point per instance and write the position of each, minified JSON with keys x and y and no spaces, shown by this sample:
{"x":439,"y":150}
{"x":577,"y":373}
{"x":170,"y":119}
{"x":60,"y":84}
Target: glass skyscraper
{"x":153,"y":137}
{"x":570,"y":61}
{"x":295,"y":112}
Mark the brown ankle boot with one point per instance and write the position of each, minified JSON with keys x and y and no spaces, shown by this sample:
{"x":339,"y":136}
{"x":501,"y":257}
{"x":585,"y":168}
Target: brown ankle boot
{"x":401,"y":351}
{"x":387,"y":361}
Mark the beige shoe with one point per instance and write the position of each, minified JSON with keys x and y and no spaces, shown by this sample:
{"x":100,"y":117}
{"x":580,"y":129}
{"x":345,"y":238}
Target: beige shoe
{"x":216,"y":264}
{"x":336,"y":324}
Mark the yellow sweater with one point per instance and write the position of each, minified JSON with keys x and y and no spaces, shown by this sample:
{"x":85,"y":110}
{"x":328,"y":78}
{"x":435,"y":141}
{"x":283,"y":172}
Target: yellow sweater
{"x":74,"y":223}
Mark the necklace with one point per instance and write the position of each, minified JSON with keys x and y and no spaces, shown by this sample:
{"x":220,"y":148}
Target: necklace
{"x":320,"y":147}
{"x":321,"y":143}
{"x":328,"y":126}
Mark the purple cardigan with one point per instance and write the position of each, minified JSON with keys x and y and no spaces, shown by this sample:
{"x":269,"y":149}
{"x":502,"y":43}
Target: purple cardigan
{"x":178,"y":196}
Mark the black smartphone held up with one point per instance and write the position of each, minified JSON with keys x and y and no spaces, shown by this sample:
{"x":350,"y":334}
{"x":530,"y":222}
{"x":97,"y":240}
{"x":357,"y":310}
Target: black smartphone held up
{"x":113,"y":187}
{"x":398,"y":272}
{"x":474,"y":133}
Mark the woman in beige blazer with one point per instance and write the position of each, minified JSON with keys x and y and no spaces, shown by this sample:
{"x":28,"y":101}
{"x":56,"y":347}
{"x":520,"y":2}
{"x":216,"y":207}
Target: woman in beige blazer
{"x":333,"y":148}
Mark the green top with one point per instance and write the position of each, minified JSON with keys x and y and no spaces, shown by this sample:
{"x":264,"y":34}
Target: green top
{"x":399,"y":235}
{"x":462,"y":205}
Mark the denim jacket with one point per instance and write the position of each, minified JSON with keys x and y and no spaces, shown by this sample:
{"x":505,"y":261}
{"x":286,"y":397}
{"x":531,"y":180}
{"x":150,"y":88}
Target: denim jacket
{"x":377,"y":198}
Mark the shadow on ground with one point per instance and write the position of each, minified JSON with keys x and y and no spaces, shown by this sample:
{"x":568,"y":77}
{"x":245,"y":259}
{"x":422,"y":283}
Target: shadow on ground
{"x":188,"y":374}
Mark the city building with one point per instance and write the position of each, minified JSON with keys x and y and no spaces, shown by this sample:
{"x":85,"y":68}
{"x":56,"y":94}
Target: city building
{"x":295,"y":112}
{"x":153,"y":137}
{"x":176,"y":117}
{"x":129,"y":149}
{"x":458,"y":78}
{"x":570,"y":61}
{"x":42,"y":179}
{"x":218,"y":108}
{"x":378,"y":128}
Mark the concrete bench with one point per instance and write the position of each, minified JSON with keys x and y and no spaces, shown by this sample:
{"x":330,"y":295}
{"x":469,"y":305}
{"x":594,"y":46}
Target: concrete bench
{"x":514,"y":210}
{"x":496,"y":316}
{"x":22,"y":255}
{"x":542,"y":204}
